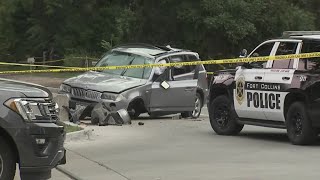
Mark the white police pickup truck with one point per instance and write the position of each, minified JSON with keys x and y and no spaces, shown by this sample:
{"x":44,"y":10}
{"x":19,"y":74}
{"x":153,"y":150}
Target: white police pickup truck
{"x":278,"y":94}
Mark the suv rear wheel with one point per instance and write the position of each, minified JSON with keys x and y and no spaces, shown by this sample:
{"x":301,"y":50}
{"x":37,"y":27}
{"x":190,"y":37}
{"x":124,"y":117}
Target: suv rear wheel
{"x":299,"y":128}
{"x":223,"y":118}
{"x":7,"y":161}
{"x":197,"y":108}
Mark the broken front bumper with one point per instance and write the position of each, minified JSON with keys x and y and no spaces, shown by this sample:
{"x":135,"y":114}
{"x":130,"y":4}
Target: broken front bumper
{"x":74,"y":102}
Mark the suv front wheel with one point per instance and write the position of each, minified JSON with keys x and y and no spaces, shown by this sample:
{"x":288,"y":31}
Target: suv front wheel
{"x":299,"y":127}
{"x":7,"y":161}
{"x":223,"y":118}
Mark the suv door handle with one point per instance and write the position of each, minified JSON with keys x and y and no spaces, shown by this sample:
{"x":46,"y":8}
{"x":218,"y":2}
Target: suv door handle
{"x":258,"y":78}
{"x":286,"y":78}
{"x":189,"y":89}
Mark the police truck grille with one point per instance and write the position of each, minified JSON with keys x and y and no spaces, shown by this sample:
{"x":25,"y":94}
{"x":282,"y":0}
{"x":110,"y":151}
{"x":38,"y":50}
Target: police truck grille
{"x":82,"y":93}
{"x":52,"y":110}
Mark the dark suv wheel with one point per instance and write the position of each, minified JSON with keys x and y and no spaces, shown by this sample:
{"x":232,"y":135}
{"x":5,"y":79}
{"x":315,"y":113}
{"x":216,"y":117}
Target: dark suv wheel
{"x":7,"y":161}
{"x":299,"y":127}
{"x":223,"y":118}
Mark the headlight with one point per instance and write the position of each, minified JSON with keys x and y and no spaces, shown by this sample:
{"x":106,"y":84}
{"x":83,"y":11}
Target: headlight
{"x":113,"y":97}
{"x":65,"y":88}
{"x":32,"y":110}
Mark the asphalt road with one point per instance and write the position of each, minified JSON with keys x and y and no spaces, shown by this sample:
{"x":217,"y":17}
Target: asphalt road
{"x":166,"y":149}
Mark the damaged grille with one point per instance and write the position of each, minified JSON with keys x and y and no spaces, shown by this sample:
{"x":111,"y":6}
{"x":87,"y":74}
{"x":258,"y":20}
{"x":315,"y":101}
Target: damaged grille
{"x":82,"y":93}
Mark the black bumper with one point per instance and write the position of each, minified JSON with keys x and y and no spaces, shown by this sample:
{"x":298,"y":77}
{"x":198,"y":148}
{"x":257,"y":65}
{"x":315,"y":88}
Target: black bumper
{"x":40,"y":148}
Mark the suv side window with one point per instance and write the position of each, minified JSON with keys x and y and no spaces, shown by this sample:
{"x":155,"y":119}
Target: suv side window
{"x":181,"y":70}
{"x":263,"y":50}
{"x":310,"y":63}
{"x":192,"y":58}
{"x":285,"y":48}
{"x":178,"y":70}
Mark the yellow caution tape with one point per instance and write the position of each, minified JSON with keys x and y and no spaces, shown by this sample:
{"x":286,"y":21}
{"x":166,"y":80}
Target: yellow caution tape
{"x":207,"y":62}
{"x":53,"y":61}
{"x":48,"y":62}
{"x":34,"y":65}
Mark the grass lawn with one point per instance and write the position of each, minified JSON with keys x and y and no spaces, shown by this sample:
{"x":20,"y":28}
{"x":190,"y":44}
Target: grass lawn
{"x":69,"y":128}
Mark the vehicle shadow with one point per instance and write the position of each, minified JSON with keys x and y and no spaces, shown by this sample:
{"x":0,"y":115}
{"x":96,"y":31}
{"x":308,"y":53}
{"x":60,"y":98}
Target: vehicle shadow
{"x":148,"y":118}
{"x":271,"y":136}
{"x":266,"y":136}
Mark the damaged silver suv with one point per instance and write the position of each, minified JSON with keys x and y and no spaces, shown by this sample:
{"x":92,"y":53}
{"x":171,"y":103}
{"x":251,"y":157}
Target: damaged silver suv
{"x":157,"y":91}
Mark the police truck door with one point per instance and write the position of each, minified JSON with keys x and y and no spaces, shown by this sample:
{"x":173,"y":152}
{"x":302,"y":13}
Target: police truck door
{"x":248,"y":96}
{"x":278,"y":79}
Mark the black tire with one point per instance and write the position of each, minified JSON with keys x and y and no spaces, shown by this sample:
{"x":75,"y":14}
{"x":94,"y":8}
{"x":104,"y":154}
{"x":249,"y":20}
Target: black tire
{"x":223,"y":118}
{"x":134,"y":111}
{"x":299,"y":127}
{"x":7,"y":161}
{"x":197,"y":111}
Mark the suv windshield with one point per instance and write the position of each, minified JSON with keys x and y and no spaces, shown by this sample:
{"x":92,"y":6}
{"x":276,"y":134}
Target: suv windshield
{"x":117,"y":58}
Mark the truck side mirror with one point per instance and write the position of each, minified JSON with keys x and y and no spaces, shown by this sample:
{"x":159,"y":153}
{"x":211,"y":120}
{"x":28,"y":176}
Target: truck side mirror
{"x":243,"y":53}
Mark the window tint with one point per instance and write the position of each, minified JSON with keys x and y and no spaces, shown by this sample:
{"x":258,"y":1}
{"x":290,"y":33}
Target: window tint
{"x":263,"y":50}
{"x":285,"y":48}
{"x":180,"y":70}
{"x":310,"y":63}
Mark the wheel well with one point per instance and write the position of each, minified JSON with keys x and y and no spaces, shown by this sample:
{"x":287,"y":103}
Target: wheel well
{"x":10,"y":141}
{"x":218,"y":91}
{"x":291,"y":98}
{"x":140,"y":103}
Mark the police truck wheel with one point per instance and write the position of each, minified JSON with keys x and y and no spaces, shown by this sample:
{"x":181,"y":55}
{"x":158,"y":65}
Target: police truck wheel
{"x":7,"y":161}
{"x":299,"y":128}
{"x":223,"y":118}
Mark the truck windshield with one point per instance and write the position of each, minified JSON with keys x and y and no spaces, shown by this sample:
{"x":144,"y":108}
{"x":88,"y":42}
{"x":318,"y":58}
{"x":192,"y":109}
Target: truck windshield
{"x":116,"y":58}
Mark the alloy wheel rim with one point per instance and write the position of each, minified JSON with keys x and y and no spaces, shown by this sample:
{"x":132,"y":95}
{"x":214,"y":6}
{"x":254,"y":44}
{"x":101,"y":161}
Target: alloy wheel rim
{"x":1,"y":166}
{"x":222,"y":116}
{"x":197,"y":108}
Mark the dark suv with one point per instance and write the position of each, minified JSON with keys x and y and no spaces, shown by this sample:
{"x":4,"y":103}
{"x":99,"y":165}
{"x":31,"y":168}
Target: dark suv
{"x":279,"y":94}
{"x":29,"y":134}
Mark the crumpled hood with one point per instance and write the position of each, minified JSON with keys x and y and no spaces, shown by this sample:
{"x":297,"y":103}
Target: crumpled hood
{"x":104,"y":82}
{"x":18,"y":88}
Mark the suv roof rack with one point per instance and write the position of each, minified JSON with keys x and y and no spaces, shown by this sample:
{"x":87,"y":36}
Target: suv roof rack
{"x":288,"y":34}
{"x":138,"y":45}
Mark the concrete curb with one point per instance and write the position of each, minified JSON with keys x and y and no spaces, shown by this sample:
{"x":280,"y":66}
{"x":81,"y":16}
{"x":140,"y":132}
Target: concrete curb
{"x":84,"y":134}
{"x":68,"y":173}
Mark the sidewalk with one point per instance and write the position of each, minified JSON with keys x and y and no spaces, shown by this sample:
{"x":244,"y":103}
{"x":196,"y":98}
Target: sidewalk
{"x":81,"y":168}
